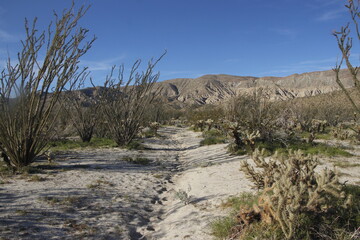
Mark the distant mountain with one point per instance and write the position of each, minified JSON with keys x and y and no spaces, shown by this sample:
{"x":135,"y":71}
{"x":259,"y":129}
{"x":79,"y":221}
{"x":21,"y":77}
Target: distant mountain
{"x":216,"y":88}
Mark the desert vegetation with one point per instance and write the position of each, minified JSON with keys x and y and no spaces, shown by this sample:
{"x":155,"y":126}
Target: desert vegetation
{"x":30,"y":89}
{"x":122,"y":160}
{"x":124,"y":102}
{"x":82,"y":109}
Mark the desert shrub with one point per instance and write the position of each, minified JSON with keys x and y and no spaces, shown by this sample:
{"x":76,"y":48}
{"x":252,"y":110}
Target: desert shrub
{"x":102,"y":129}
{"x":135,"y":145}
{"x":31,"y":88}
{"x":183,"y":196}
{"x":253,"y":119}
{"x":82,"y":108}
{"x":199,"y":125}
{"x":213,"y":136}
{"x":347,"y":131}
{"x":296,"y":199}
{"x":199,"y":115}
{"x":222,"y":227}
{"x":162,"y":111}
{"x":340,"y":132}
{"x":307,"y":148}
{"x":242,"y":137}
{"x":331,"y":107}
{"x":66,"y":144}
{"x":228,"y":227}
{"x":253,"y":112}
{"x":345,"y":42}
{"x":209,"y":123}
{"x":148,"y":133}
{"x":154,"y":127}
{"x":137,"y":160}
{"x":124,"y":102}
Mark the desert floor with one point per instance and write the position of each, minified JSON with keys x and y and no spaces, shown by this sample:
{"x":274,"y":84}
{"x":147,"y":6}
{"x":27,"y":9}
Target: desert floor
{"x":100,"y":194}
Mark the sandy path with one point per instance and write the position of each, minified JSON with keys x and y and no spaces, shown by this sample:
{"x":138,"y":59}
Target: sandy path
{"x":210,"y":176}
{"x":97,"y":194}
{"x":347,"y":167}
{"x":89,"y":194}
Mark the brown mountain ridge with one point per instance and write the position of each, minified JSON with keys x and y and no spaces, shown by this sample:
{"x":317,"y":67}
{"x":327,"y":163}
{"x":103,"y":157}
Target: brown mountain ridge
{"x":216,"y":88}
{"x":212,"y":89}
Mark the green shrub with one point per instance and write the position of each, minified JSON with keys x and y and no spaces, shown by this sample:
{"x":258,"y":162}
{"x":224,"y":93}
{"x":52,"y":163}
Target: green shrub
{"x":307,"y":148}
{"x":245,"y":199}
{"x":213,"y":137}
{"x":36,"y":178}
{"x":135,"y":145}
{"x":66,"y":144}
{"x":221,"y":228}
{"x":323,"y":136}
{"x":149,"y":133}
{"x":137,"y":160}
{"x":259,"y":230}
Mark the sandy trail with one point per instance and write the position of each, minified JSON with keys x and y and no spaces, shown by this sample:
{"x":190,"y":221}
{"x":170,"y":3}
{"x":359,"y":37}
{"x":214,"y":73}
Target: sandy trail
{"x":210,"y":176}
{"x":92,"y":194}
{"x":97,"y":194}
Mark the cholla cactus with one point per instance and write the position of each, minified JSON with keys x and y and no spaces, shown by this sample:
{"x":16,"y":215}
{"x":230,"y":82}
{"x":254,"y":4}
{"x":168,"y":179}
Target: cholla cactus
{"x":268,"y":169}
{"x":209,"y":123}
{"x":49,"y":155}
{"x":340,"y":132}
{"x":313,"y":126}
{"x":292,"y":188}
{"x":242,"y":137}
{"x":183,"y":195}
{"x":200,"y":125}
{"x":318,"y":125}
{"x":249,"y":138}
{"x":235,"y":132}
{"x":154,"y":126}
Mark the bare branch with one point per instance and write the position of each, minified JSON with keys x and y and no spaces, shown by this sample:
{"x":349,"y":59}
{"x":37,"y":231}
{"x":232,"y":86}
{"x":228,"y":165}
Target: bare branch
{"x":124,"y":103}
{"x":31,"y":89}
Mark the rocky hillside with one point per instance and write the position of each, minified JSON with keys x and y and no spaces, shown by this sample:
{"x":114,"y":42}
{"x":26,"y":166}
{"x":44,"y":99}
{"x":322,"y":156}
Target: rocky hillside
{"x":216,"y":88}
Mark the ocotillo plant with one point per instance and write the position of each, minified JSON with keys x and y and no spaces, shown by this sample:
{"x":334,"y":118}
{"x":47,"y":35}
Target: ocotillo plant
{"x":30,"y":89}
{"x":124,"y":102}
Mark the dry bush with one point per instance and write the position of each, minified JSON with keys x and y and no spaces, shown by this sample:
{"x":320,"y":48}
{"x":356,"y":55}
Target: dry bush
{"x":317,"y":114}
{"x":82,"y":108}
{"x":31,"y":88}
{"x":124,"y":102}
{"x":331,"y":107}
{"x":162,"y":111}
{"x":345,"y":44}
{"x":254,"y":112}
{"x":199,"y":115}
{"x":241,"y":136}
{"x":253,"y":118}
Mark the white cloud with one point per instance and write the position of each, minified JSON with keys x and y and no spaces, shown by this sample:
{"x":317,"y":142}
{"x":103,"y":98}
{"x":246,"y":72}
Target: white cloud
{"x":327,"y":2}
{"x":8,"y":37}
{"x":232,"y":60}
{"x":306,"y":66}
{"x":332,"y":14}
{"x":321,"y":4}
{"x":319,"y":61}
{"x":287,"y":32}
{"x":178,"y":74}
{"x":102,"y":65}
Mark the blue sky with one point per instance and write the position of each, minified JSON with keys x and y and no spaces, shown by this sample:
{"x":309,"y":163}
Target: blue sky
{"x":238,"y":37}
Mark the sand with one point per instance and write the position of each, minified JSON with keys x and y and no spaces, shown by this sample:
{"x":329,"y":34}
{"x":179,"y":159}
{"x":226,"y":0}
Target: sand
{"x":98,"y":194}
